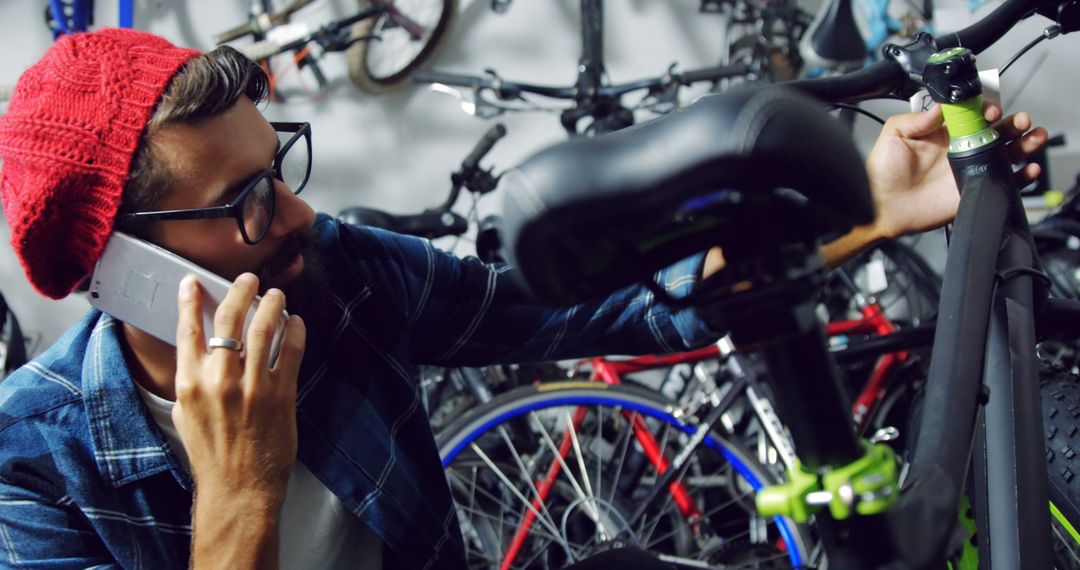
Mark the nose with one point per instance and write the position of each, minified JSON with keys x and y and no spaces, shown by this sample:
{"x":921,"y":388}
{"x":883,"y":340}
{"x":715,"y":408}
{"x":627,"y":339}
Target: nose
{"x":291,"y":214}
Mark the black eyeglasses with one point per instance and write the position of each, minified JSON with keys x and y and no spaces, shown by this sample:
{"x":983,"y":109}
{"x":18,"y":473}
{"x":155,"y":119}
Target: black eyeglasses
{"x":253,"y":207}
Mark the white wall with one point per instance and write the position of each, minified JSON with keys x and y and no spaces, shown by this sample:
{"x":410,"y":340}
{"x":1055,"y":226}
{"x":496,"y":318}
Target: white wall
{"x":396,"y":152}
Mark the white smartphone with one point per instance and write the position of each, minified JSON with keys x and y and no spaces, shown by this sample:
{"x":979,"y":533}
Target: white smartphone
{"x":137,"y":282}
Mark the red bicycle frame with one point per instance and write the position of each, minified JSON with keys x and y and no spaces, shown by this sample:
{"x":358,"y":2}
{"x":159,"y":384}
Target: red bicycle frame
{"x":873,"y":321}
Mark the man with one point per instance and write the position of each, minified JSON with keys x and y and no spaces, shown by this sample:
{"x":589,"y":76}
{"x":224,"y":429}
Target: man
{"x":117,"y":450}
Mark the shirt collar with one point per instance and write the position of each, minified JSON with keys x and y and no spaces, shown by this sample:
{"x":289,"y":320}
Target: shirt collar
{"x":128,"y":446}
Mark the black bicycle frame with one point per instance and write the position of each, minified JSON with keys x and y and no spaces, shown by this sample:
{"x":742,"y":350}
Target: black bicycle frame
{"x":591,"y":66}
{"x":983,"y":353}
{"x":984,"y":347}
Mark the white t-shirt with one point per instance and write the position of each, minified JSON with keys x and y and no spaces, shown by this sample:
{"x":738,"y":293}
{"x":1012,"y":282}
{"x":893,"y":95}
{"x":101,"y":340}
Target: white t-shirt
{"x":316,"y":529}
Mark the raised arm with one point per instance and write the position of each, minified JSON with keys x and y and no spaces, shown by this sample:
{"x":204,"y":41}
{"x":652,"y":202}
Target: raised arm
{"x":463,"y":312}
{"x":910,"y":179}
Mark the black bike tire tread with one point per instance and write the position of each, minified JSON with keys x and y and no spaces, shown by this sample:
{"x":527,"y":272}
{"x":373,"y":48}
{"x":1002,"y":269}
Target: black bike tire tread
{"x":1061,"y":425}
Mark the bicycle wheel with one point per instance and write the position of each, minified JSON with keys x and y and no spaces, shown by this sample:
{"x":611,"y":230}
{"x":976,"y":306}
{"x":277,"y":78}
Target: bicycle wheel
{"x":1060,"y":394}
{"x":387,"y":61}
{"x":1061,"y":406}
{"x":546,"y":475}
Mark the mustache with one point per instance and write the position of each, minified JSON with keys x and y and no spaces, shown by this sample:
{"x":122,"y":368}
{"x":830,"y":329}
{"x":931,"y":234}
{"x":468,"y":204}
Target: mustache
{"x":300,"y":242}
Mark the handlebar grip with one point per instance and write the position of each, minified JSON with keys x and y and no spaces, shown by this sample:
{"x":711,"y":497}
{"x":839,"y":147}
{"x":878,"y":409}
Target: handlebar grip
{"x":453,"y":79}
{"x":484,"y":146}
{"x":259,"y":51}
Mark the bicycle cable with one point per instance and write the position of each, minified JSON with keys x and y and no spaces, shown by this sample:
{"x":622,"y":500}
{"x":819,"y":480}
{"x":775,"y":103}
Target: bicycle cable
{"x":1049,"y":33}
{"x":857,"y":109}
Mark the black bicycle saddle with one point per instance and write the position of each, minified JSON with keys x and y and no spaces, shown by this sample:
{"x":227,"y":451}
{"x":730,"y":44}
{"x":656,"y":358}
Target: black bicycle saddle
{"x":833,"y":41}
{"x":587,"y":216}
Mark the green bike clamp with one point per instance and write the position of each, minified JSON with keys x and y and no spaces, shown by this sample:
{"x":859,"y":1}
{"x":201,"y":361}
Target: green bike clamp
{"x":868,"y":485}
{"x":952,"y":79}
{"x":790,"y":499}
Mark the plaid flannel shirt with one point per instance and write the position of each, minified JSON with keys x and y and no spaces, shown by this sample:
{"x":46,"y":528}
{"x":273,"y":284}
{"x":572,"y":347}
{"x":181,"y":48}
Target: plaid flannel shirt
{"x":88,"y":480}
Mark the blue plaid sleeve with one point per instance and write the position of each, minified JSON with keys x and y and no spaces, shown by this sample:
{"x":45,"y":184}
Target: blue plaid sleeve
{"x":466,"y":313}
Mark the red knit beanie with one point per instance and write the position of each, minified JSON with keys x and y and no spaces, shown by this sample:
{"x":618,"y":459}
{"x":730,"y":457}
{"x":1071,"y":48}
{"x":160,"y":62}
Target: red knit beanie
{"x":67,"y":140}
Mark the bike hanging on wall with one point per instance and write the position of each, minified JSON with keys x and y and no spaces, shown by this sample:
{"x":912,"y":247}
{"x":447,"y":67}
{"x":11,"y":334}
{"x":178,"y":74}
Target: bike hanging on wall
{"x":384,"y":41}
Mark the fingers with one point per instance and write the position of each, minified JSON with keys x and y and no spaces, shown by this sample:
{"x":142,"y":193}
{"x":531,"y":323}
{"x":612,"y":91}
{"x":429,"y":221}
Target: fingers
{"x":1028,"y":174}
{"x":992,"y":111}
{"x":916,"y":125}
{"x":230,"y":315}
{"x":1013,"y":126}
{"x":1027,"y":144}
{"x":292,"y":350}
{"x":261,"y":332}
{"x":190,"y":340}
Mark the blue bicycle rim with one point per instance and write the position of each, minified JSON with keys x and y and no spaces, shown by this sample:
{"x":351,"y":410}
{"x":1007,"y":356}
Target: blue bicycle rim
{"x":782,"y":525}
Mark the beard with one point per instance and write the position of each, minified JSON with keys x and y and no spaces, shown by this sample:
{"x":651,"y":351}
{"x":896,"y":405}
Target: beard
{"x":307,"y":293}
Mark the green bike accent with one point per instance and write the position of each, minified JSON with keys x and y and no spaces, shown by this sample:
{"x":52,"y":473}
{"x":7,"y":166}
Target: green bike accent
{"x":968,"y":129}
{"x":969,"y":556}
{"x":1064,"y":522}
{"x":1054,"y":198}
{"x":789,"y":499}
{"x":947,"y":54}
{"x":969,"y":560}
{"x":869,"y":483}
{"x":965,"y":117}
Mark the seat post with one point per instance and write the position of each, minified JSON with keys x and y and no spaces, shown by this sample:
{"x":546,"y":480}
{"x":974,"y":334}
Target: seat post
{"x":775,"y":310}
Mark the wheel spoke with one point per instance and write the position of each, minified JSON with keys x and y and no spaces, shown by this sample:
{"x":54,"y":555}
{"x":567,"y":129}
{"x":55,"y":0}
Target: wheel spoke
{"x":590,"y":503}
{"x":526,"y":476}
{"x":624,"y":435}
{"x":558,"y":457}
{"x":506,"y":481}
{"x":598,"y":443}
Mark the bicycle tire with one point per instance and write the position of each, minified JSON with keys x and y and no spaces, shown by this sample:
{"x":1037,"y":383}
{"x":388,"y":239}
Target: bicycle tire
{"x":358,"y":56}
{"x":1061,"y":424}
{"x":512,"y":406}
{"x":1060,"y":393}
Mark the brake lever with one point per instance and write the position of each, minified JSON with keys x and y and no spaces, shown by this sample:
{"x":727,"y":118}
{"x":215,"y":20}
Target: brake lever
{"x":481,"y":107}
{"x":667,"y":93}
{"x":474,"y":105}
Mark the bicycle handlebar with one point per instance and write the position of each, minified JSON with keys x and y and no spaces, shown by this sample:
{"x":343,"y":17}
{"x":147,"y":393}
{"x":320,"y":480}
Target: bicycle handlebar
{"x":511,"y":89}
{"x":261,"y":50}
{"x":470,"y":175}
{"x":260,"y":25}
{"x":888,"y":77}
{"x":484,"y":146}
{"x":328,"y":35}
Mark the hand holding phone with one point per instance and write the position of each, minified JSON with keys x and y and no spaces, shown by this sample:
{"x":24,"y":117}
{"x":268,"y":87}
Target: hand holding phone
{"x":235,"y":416}
{"x":137,"y":282}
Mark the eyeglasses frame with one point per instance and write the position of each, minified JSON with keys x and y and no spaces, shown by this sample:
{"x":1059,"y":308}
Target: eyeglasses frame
{"x":234,"y":209}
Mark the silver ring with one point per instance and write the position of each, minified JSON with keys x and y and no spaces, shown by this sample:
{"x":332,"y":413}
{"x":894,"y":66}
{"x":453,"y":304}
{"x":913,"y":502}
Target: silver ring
{"x":226,"y":343}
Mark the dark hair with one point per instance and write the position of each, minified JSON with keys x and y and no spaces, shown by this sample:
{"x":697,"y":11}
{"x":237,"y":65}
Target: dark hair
{"x":208,"y":84}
